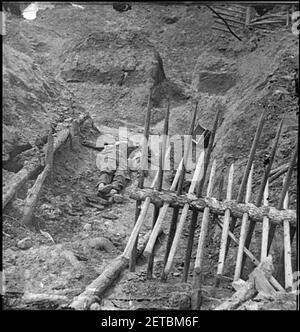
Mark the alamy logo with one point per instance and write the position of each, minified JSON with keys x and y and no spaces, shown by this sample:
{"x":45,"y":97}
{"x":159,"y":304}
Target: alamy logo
{"x":129,"y":150}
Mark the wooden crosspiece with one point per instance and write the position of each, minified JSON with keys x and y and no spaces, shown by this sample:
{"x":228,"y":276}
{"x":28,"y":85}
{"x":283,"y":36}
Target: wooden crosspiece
{"x":217,"y":207}
{"x":225,"y":229}
{"x":243,"y":233}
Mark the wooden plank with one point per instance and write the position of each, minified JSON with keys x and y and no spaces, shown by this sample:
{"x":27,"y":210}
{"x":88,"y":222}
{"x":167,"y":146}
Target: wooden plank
{"x":225,"y":229}
{"x":266,"y":17}
{"x":287,"y":251}
{"x":230,"y":15}
{"x":244,"y":227}
{"x":230,"y":10}
{"x":267,"y":22}
{"x":265,"y":226}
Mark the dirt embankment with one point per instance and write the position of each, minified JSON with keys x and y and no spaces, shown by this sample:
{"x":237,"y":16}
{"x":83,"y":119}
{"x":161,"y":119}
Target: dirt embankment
{"x":70,"y":60}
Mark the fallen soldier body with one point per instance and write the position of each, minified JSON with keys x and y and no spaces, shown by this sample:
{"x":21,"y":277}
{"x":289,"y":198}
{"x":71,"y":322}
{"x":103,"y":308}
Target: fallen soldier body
{"x":116,"y":162}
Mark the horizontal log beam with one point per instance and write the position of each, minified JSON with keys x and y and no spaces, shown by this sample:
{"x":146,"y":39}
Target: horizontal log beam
{"x":216,"y":207}
{"x":95,"y":291}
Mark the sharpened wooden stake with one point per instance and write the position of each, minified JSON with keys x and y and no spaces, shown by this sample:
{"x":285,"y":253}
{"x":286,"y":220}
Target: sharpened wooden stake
{"x":144,"y":209}
{"x":262,"y":187}
{"x":225,"y":229}
{"x":193,"y":224}
{"x":247,"y":171}
{"x":288,"y":275}
{"x":173,"y":223}
{"x":265,"y":226}
{"x":284,"y":190}
{"x":164,"y":209}
{"x":141,"y":218}
{"x":203,"y":231}
{"x":144,"y":166}
{"x":244,"y":227}
{"x":162,"y":148}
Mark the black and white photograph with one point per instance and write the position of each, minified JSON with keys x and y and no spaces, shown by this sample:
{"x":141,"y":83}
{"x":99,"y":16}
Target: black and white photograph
{"x":150,"y":159}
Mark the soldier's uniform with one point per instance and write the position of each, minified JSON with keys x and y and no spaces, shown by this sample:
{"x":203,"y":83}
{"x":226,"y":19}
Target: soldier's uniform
{"x":115,"y":163}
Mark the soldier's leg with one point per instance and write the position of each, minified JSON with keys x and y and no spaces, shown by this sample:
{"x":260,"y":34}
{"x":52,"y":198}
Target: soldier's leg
{"x":120,"y":179}
{"x":104,"y":183}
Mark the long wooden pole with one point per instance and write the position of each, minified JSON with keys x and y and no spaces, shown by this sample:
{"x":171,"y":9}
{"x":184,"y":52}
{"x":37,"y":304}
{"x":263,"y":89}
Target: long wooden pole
{"x":183,"y":216}
{"x":287,"y":250}
{"x":225,"y":229}
{"x":144,"y":209}
{"x":162,"y":149}
{"x":194,"y":219}
{"x":262,"y":187}
{"x":243,"y":233}
{"x":265,"y":227}
{"x":197,"y":277}
{"x":144,"y":166}
{"x":164,"y":209}
{"x":173,"y":223}
{"x":240,"y":196}
{"x":217,"y":207}
{"x":283,"y":193}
